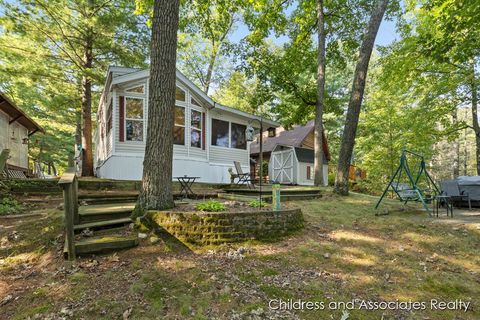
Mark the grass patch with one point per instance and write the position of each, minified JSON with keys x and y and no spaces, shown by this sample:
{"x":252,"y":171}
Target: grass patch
{"x":33,"y":310}
{"x":9,"y":205}
{"x":345,"y":252}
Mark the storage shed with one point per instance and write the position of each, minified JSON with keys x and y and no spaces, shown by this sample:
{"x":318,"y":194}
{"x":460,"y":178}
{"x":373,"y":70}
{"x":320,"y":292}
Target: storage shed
{"x":294,"y":165}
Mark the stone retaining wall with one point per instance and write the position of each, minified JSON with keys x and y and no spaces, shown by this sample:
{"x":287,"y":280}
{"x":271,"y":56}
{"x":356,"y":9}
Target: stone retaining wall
{"x":203,"y":228}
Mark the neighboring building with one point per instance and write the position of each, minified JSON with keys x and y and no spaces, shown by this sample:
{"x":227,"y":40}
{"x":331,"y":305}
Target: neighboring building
{"x":15,"y":129}
{"x":290,"y":155}
{"x":208,"y":137}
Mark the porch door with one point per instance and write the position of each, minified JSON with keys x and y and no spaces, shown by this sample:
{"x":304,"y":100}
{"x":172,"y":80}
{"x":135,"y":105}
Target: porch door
{"x":282,"y":166}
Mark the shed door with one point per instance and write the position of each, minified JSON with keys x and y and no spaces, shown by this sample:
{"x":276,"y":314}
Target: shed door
{"x":282,"y":166}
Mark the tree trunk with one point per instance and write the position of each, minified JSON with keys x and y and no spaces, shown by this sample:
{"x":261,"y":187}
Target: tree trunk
{"x":87,"y":156}
{"x":465,"y":146}
{"x":78,"y":153}
{"x":456,"y":161}
{"x":318,"y":140}
{"x":211,"y":65}
{"x":356,"y":97}
{"x":78,"y":130}
{"x":156,"y":190}
{"x":476,"y":127}
{"x":216,"y":47}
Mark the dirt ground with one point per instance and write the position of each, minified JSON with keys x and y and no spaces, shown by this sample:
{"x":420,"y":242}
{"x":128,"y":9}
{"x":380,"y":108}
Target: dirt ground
{"x":343,"y":258}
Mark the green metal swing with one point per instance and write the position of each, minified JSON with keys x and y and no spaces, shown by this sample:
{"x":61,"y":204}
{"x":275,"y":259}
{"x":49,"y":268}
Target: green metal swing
{"x":411,"y":191}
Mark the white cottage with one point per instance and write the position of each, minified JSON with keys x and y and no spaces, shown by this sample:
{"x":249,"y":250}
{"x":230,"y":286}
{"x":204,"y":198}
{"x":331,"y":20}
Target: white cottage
{"x":15,"y":129}
{"x":208,"y":137}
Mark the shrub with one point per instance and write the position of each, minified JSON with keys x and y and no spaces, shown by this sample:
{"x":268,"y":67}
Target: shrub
{"x":264,"y":169}
{"x":331,"y":178}
{"x":9,"y":205}
{"x":210,"y":206}
{"x":257,"y":204}
{"x":367,"y":186}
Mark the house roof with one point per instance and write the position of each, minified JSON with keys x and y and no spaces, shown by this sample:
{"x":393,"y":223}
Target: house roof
{"x":307,"y":155}
{"x":128,"y":74}
{"x":292,"y":138}
{"x":18,"y":115}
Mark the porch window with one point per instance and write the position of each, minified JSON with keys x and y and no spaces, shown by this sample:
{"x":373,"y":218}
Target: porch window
{"x":180,"y":94}
{"x":196,"y":129}
{"x":137,"y":89}
{"x":220,"y":133}
{"x":195,"y":103}
{"x":134,"y":119}
{"x":109,"y":116}
{"x":239,"y":139}
{"x":179,"y":126}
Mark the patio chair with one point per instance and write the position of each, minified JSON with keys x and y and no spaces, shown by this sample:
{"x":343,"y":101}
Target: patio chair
{"x":450,"y":188}
{"x":242,"y":176}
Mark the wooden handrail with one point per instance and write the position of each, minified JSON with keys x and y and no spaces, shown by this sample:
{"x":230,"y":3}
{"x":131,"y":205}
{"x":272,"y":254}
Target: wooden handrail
{"x":68,"y":176}
{"x":69,"y":183}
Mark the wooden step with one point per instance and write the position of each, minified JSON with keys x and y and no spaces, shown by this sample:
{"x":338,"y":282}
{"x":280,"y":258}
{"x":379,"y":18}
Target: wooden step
{"x":100,"y":194}
{"x":105,"y":212}
{"x":103,"y":244}
{"x":306,"y":196}
{"x":239,"y":197}
{"x":95,"y":225}
{"x":107,"y":200}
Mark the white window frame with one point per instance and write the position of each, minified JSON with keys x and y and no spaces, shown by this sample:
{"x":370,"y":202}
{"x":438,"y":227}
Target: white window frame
{"x":110,"y":106}
{"x":135,"y":86}
{"x":229,"y":133}
{"x":125,"y":118}
{"x":192,"y":97}
{"x":180,"y":102}
{"x":230,"y":142}
{"x":184,"y":124}
{"x":192,"y":128}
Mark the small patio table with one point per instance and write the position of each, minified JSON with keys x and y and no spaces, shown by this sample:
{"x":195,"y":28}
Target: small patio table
{"x":186,"y":183}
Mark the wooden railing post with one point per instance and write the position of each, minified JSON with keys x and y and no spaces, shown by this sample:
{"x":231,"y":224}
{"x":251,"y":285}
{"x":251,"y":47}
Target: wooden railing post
{"x":69,"y":213}
{"x":69,"y":184}
{"x":76,"y":217}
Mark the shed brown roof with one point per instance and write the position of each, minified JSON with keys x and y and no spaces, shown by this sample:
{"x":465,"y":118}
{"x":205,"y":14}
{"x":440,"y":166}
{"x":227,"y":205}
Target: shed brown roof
{"x":294,"y":138}
{"x":18,"y":115}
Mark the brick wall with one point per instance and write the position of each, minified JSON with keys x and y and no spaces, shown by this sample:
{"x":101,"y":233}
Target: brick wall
{"x":203,"y":228}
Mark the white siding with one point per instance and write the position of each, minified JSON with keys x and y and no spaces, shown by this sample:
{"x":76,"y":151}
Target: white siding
{"x":11,"y":137}
{"x":103,"y":141}
{"x":225,"y":155}
{"x":123,"y":167}
{"x":125,"y":160}
{"x":4,"y":131}
{"x":136,"y":147}
{"x":302,"y":174}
